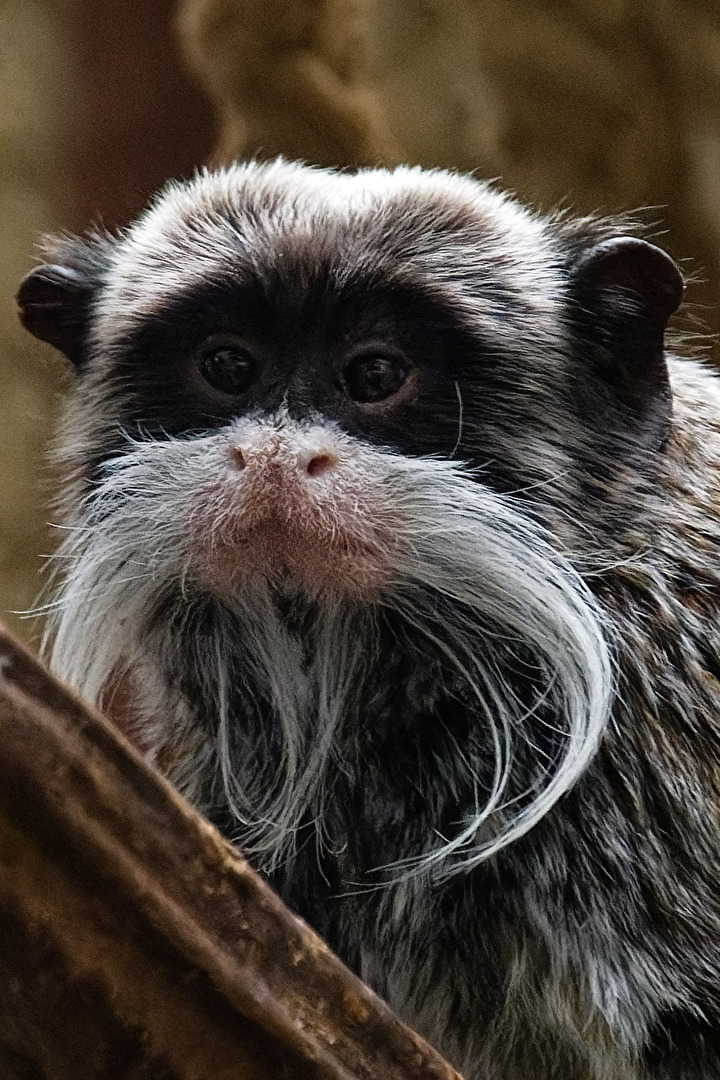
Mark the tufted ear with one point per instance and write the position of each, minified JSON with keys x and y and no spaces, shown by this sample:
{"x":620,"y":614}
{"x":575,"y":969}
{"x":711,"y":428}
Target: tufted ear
{"x":55,"y":299}
{"x":625,"y":290}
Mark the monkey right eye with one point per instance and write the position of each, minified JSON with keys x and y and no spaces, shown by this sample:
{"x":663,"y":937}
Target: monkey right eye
{"x":228,"y":368}
{"x":371,"y":378}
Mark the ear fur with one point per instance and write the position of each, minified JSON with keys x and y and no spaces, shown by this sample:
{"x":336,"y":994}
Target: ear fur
{"x":625,"y":290}
{"x":55,"y":299}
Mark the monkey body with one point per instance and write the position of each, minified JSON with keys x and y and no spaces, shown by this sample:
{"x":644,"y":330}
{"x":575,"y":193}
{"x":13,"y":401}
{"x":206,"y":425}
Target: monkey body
{"x":397,"y":534}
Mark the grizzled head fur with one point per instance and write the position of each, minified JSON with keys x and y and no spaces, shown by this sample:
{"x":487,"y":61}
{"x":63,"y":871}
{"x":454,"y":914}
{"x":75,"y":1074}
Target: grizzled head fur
{"x":373,"y":481}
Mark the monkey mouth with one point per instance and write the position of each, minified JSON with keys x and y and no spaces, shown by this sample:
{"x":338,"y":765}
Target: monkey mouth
{"x":291,"y":555}
{"x":294,"y":540}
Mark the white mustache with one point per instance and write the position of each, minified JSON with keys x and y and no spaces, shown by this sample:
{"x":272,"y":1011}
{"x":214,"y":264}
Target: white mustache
{"x":461,"y":566}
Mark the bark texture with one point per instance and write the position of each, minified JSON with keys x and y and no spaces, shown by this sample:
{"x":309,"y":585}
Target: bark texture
{"x":136,"y":943}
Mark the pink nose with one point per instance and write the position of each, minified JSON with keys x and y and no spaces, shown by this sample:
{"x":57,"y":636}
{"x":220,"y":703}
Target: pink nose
{"x":312,"y":462}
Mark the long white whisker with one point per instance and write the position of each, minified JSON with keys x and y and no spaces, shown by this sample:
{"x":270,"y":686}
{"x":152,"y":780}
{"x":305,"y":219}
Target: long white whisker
{"x":456,"y":447}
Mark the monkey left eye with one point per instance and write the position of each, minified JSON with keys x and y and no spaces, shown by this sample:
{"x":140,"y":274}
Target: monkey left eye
{"x":228,"y":368}
{"x":373,"y":378}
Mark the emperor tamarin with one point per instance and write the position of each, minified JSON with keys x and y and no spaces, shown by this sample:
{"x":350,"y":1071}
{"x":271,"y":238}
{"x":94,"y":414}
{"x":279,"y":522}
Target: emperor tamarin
{"x":393,"y":538}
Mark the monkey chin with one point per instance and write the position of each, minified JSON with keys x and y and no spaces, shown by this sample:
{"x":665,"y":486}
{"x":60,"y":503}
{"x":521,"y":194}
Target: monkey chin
{"x":295,"y":555}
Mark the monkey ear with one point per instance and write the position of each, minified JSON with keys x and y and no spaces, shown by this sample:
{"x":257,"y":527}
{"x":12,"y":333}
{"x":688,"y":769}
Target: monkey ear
{"x":54,"y":300}
{"x":625,"y":290}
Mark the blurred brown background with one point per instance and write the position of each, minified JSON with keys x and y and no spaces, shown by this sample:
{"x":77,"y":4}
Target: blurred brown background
{"x":598,"y":104}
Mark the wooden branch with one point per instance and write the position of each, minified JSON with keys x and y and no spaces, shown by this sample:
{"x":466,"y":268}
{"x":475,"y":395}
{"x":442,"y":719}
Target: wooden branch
{"x":136,"y":943}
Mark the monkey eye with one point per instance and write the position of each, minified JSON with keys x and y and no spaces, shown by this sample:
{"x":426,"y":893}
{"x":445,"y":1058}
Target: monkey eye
{"x":373,"y":377}
{"x":228,"y":368}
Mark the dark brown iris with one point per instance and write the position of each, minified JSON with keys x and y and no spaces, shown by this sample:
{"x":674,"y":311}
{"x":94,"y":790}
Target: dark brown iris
{"x":373,"y":378}
{"x":228,"y":368}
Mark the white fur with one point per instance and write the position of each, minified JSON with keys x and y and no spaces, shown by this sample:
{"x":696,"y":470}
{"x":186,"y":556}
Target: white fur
{"x":450,"y":537}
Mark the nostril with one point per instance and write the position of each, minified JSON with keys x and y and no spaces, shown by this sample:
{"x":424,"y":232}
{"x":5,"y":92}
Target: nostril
{"x":320,"y":464}
{"x":238,"y":458}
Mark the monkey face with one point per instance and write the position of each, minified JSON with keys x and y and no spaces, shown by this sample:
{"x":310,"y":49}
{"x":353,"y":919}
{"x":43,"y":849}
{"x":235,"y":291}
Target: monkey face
{"x":300,"y":305}
{"x":294,"y":391}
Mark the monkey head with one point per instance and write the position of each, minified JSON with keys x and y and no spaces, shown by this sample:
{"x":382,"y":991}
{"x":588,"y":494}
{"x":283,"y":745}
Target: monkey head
{"x":309,"y":405}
